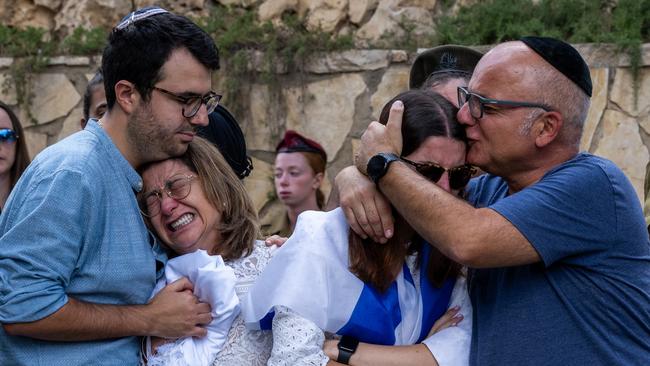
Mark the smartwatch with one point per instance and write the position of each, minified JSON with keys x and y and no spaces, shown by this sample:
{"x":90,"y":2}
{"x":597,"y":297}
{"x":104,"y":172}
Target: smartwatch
{"x":347,"y":346}
{"x":378,"y":165}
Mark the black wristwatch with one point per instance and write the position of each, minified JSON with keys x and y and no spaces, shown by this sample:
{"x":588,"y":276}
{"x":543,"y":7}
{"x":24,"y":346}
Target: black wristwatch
{"x":378,"y":165}
{"x":347,"y":346}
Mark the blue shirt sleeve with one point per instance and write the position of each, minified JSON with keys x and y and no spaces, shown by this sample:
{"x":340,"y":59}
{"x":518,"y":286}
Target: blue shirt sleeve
{"x":42,"y":237}
{"x":570,"y":214}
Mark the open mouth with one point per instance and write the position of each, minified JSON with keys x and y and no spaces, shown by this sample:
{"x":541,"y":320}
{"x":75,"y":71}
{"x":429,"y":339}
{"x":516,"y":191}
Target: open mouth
{"x":180,"y":222}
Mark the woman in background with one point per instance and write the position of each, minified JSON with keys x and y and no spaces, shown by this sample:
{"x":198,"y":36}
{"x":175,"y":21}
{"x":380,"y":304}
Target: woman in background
{"x":14,"y":157}
{"x":299,"y":171}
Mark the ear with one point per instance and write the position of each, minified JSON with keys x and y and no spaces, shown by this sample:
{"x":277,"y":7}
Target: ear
{"x":547,"y":128}
{"x":318,"y":179}
{"x":126,"y":96}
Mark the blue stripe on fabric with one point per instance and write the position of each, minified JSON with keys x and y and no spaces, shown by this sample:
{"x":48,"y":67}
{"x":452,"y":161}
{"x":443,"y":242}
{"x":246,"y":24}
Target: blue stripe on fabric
{"x":375,"y":316}
{"x":435,"y":301}
{"x":267,"y":321}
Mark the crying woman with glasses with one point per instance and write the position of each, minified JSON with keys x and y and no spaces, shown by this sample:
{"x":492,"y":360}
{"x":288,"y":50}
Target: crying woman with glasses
{"x":326,"y":282}
{"x":14,"y":157}
{"x":199,"y":209}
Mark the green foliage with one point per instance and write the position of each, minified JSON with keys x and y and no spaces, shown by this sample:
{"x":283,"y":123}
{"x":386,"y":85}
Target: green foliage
{"x":576,"y":21}
{"x":84,"y":41}
{"x":626,"y":24}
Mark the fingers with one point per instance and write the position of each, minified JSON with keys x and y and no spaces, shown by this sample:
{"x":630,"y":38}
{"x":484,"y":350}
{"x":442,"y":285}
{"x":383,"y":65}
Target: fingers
{"x":181,"y":284}
{"x":198,"y":332}
{"x":275,"y":240}
{"x":394,"y":125}
{"x":351,"y":218}
{"x":385,"y":227}
{"x":450,"y":318}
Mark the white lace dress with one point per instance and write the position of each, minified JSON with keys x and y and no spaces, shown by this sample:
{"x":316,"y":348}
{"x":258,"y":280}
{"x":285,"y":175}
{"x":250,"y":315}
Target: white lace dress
{"x":247,"y":347}
{"x":241,"y":346}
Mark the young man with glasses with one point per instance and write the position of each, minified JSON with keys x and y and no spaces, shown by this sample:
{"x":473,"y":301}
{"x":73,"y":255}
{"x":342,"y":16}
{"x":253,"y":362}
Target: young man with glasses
{"x":557,"y":240}
{"x":77,"y":263}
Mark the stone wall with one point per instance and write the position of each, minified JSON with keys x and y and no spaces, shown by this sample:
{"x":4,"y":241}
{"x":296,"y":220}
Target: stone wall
{"x":335,"y":99}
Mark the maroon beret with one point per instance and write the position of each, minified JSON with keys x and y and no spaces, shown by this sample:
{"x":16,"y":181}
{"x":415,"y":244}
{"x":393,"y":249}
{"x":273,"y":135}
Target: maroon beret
{"x":295,"y":142}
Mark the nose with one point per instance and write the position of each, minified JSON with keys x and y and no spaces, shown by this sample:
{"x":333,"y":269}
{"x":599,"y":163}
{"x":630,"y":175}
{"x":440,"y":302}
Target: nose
{"x":444,"y":182}
{"x":167,"y":205}
{"x":201,"y":116}
{"x":464,"y":116}
{"x":283,"y":180}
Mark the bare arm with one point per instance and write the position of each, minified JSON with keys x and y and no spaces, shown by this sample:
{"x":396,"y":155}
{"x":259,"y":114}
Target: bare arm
{"x":374,"y":355}
{"x":174,"y":312}
{"x":470,"y":236}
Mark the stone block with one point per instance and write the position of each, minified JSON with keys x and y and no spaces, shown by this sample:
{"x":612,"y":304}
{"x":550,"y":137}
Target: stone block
{"x":54,"y":97}
{"x":27,"y":14}
{"x":398,"y":56}
{"x":358,"y":9}
{"x":91,"y":13}
{"x":348,"y":61}
{"x":71,"y":124}
{"x":35,"y":141}
{"x":621,"y":142}
{"x":70,"y":60}
{"x":6,"y":61}
{"x":327,"y":110}
{"x":259,"y":131}
{"x":623,"y":91}
{"x":600,"y":81}
{"x":7,"y":90}
{"x":271,"y":9}
{"x":53,"y":5}
{"x":326,"y":15}
{"x":394,"y":81}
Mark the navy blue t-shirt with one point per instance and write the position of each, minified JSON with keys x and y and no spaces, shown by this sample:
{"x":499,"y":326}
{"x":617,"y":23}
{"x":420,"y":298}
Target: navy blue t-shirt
{"x":588,"y":301}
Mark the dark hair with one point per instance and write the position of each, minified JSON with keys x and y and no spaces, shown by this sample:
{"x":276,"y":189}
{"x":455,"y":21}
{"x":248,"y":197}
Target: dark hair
{"x":97,"y":80}
{"x":443,"y":76}
{"x":22,"y":155}
{"x":426,"y":114}
{"x":224,"y":132}
{"x":138,"y":51}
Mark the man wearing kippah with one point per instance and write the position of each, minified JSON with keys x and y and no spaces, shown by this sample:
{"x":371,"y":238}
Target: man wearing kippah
{"x":77,"y":263}
{"x":556,"y":238}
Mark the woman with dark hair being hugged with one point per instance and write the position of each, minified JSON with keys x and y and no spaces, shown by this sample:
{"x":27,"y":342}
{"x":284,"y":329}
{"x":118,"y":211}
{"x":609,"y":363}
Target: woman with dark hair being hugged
{"x":14,"y":157}
{"x":328,"y":280}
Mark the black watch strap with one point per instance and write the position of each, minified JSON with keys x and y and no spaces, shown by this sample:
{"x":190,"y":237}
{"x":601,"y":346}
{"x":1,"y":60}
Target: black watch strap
{"x":347,"y":346}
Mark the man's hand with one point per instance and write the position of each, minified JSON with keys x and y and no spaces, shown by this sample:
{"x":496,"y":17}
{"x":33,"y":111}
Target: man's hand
{"x":367,"y":211}
{"x":175,"y":312}
{"x":379,"y":138}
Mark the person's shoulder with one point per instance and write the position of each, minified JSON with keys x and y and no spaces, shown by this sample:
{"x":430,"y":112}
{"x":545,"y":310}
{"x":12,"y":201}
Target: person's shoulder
{"x":483,"y":190}
{"x":75,"y":153}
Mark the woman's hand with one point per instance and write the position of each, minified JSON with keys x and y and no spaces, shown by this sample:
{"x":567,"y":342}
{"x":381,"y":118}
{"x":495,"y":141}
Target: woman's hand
{"x":276,"y":240}
{"x":450,"y":318}
{"x":331,"y":349}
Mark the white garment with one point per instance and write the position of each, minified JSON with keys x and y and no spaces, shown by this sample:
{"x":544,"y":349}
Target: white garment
{"x":214,"y":283}
{"x":315,"y":260}
{"x":239,"y":346}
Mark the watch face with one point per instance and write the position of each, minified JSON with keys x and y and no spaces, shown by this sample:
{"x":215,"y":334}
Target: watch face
{"x":376,"y":167}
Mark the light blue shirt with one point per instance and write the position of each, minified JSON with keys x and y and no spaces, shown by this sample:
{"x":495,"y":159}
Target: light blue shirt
{"x":72,"y":227}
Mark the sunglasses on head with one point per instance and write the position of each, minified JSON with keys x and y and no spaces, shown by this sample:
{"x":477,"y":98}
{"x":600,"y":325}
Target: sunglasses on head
{"x":8,"y":135}
{"x":458,"y":176}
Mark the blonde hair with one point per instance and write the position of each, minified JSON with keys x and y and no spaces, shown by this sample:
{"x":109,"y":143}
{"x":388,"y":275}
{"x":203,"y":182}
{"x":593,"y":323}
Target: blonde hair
{"x":226,"y":193}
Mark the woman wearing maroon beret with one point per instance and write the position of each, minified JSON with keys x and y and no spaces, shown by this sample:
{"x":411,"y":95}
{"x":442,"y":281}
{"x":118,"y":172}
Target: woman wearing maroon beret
{"x":299,"y":170}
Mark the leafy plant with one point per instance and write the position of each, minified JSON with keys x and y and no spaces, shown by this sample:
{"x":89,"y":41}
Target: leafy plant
{"x":84,"y":41}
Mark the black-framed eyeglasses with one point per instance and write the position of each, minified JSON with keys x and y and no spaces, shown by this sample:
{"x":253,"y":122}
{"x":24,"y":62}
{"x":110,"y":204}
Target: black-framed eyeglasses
{"x":176,"y":187}
{"x":8,"y":135}
{"x":458,"y":176}
{"x":192,"y":104}
{"x":477,"y":103}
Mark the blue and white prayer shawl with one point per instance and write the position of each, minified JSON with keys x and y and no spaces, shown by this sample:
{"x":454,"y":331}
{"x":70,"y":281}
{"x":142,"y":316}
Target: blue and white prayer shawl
{"x":310,"y":275}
